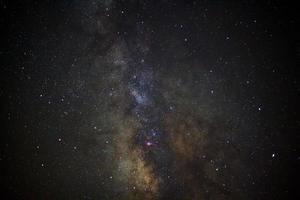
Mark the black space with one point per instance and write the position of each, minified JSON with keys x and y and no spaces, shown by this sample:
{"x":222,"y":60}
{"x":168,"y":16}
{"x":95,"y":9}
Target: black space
{"x":151,"y":100}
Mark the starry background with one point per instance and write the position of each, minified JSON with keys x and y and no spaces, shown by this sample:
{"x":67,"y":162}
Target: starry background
{"x":149,"y":100}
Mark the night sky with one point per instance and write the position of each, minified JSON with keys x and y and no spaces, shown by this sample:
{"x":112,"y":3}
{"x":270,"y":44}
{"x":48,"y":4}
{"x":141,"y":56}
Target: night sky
{"x":149,"y":100}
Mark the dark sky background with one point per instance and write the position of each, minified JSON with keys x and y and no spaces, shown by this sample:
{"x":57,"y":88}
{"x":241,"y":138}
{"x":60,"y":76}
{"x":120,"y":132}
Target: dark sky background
{"x":149,"y":100}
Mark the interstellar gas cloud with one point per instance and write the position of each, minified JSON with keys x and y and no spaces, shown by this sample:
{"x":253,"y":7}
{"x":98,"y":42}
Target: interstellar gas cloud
{"x":149,"y":100}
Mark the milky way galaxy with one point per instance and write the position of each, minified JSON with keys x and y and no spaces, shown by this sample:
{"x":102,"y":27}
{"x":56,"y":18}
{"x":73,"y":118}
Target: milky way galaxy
{"x":149,"y":100}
